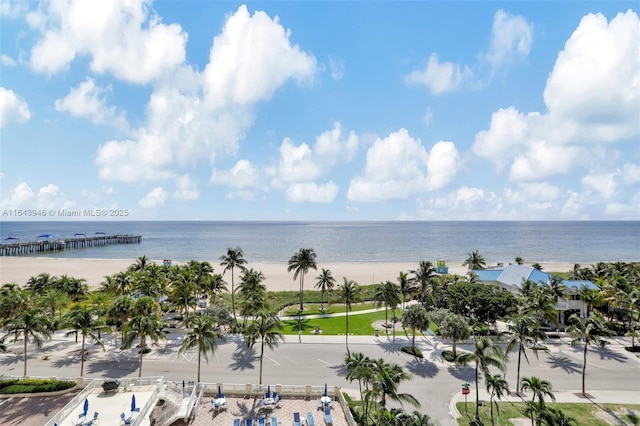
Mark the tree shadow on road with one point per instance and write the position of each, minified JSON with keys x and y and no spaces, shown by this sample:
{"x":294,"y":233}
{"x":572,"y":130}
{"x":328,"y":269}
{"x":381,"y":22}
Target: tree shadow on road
{"x":463,"y":373}
{"x":243,"y":358}
{"x":422,"y":368}
{"x":340,"y":369}
{"x":390,"y":347}
{"x":606,"y":354}
{"x":114,"y":369}
{"x":564,"y":363}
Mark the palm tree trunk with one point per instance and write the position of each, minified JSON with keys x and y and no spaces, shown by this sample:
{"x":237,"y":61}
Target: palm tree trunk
{"x":413,"y":339}
{"x":233,"y":300}
{"x":346,"y":334}
{"x":477,"y":395}
{"x":386,"y":318}
{"x":261,"y":358}
{"x":26,"y":335}
{"x":141,"y":354}
{"x":518,"y":373}
{"x":301,"y":290}
{"x":199,"y":355}
{"x":393,"y":312}
{"x":82,"y":357}
{"x":491,"y":408}
{"x":454,"y":348}
{"x":584,"y":366}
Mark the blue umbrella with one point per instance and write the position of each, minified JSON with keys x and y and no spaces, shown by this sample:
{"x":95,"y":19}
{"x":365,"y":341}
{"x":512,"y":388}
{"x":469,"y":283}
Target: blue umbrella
{"x":133,"y":403}
{"x":268,"y":391}
{"x":220,"y":395}
{"x":325,"y":390}
{"x":86,"y":406}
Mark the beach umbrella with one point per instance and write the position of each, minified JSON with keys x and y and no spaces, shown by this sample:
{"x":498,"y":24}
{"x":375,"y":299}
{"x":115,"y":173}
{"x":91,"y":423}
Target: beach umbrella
{"x":220,"y":392}
{"x":133,"y":403}
{"x":86,"y":406}
{"x":325,"y":390}
{"x":268,"y":391}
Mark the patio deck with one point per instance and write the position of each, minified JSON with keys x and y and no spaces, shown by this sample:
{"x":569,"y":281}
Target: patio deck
{"x":109,"y":406}
{"x":249,"y":408}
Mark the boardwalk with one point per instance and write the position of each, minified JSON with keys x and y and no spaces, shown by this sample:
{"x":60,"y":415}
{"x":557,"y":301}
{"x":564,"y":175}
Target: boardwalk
{"x":48,"y":245}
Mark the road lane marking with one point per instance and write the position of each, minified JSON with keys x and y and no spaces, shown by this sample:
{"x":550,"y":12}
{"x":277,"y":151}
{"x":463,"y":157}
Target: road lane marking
{"x":291,"y":361}
{"x":273,"y":360}
{"x":324,"y":362}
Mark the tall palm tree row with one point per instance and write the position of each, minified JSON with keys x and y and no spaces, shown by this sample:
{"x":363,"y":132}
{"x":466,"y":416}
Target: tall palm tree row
{"x":349,"y":294}
{"x":203,"y":335}
{"x":381,"y":381}
{"x":88,"y":322}
{"x":324,"y":282}
{"x":524,"y":333}
{"x":485,"y":354}
{"x":267,"y":329}
{"x":233,"y":259}
{"x":300,"y":263}
{"x":30,"y":324}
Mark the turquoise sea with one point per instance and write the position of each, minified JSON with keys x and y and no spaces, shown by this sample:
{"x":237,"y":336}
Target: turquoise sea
{"x":399,"y":241}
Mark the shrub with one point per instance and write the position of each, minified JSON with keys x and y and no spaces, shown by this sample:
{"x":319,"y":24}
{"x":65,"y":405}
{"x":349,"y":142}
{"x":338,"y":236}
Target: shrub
{"x":448,"y":356}
{"x":412,"y":351}
{"x":634,"y":349}
{"x":14,"y":386}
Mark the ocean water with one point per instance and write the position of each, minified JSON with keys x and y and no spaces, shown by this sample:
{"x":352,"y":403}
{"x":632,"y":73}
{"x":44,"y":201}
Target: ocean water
{"x":399,"y":241}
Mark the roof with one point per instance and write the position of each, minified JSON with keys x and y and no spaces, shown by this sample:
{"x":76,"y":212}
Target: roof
{"x":514,"y":275}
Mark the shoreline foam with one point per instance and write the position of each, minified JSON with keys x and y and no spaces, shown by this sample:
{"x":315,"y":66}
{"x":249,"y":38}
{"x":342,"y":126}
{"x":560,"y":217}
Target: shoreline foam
{"x":19,"y":269}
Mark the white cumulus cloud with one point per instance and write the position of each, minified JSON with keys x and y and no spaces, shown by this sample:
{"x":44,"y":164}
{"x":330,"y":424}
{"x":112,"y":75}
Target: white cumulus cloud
{"x":440,"y":77}
{"x":12,"y":108}
{"x":511,"y":37}
{"x":312,"y":192}
{"x":399,"y":166}
{"x":584,"y":108}
{"x":154,"y":198}
{"x":194,"y":117}
{"x":7,"y":61}
{"x":88,"y":101}
{"x":604,"y":184}
{"x":186,"y":189}
{"x":122,"y":37}
{"x":20,"y":194}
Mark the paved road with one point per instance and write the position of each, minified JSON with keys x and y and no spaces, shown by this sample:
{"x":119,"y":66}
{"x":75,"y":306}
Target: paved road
{"x":320,"y":359}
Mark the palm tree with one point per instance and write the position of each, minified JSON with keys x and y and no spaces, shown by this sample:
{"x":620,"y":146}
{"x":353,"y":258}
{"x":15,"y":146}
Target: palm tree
{"x":183,"y":289}
{"x":455,"y":327}
{"x":325,"y":281}
{"x":425,"y":277}
{"x":386,"y":378}
{"x":537,"y":266}
{"x":300,"y":263}
{"x":590,"y":331}
{"x":266,"y":328}
{"x":215,"y":286}
{"x":359,"y":368}
{"x":524,"y":333}
{"x":387,"y":293}
{"x":540,"y":388}
{"x":475,"y":261}
{"x":415,"y":317}
{"x":143,"y":327}
{"x":485,"y":354}
{"x":348,"y":294}
{"x":120,"y":311}
{"x":234,"y":258}
{"x":141,"y":263}
{"x":54,"y":300}
{"x":30,"y":323}
{"x":87,"y":321}
{"x":407,"y":286}
{"x":252,"y":293}
{"x":497,"y":387}
{"x":203,"y":335}
{"x":518,"y":260}
{"x":41,"y":283}
{"x":555,"y":417}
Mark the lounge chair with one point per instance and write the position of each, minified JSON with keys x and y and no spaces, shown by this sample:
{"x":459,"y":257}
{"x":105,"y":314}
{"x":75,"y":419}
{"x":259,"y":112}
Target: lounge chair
{"x":236,"y":422}
{"x":296,"y":419}
{"x":248,"y":422}
{"x":327,"y":416}
{"x":261,"y":421}
{"x":274,"y":421}
{"x":310,"y":421}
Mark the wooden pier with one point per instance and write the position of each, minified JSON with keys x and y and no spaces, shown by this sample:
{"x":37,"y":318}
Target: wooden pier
{"x":42,"y":246}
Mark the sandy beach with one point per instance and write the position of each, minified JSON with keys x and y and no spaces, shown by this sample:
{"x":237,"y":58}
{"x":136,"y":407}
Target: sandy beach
{"x":19,"y":269}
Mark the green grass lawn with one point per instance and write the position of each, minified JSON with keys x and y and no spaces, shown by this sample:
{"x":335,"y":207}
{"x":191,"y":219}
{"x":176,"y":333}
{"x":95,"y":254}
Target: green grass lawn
{"x":359,"y":324}
{"x":584,"y":413}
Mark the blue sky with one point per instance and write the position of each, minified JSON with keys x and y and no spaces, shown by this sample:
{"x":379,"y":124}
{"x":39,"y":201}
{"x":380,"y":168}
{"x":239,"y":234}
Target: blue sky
{"x":321,"y":110}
